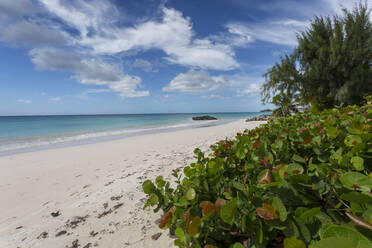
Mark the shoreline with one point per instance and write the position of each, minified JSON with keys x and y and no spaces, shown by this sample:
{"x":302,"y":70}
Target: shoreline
{"x":95,"y":189}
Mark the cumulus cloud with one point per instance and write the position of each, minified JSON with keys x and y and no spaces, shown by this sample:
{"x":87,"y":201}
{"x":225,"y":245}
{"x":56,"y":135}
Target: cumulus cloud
{"x":31,"y":34}
{"x":24,"y":100}
{"x":172,"y":34}
{"x":198,"y":81}
{"x":251,"y":89}
{"x":89,"y":70}
{"x":195,"y":81}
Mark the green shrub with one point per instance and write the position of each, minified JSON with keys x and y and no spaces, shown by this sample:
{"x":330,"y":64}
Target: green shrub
{"x":295,"y":182}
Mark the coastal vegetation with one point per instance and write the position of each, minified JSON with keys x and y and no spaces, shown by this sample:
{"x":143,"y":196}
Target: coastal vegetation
{"x":331,"y":65}
{"x":304,"y":180}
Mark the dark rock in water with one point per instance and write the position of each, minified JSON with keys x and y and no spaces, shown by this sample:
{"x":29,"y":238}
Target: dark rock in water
{"x":261,"y":118}
{"x":266,"y":110}
{"x":204,"y":118}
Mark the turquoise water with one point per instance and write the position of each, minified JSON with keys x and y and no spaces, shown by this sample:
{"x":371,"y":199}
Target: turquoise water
{"x":20,"y":133}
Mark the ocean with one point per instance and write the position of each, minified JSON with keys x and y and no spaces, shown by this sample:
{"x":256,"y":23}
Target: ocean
{"x":28,"y":133}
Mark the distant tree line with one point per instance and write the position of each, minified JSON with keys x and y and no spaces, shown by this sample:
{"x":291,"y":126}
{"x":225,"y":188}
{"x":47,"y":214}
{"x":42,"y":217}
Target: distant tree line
{"x":331,"y":65}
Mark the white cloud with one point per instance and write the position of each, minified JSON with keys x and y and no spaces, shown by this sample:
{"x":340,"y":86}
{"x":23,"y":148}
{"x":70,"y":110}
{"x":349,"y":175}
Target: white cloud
{"x":172,"y":34}
{"x":195,"y":81}
{"x":31,"y":33}
{"x":281,"y":32}
{"x":89,"y":70}
{"x":251,"y":89}
{"x":214,"y":96}
{"x":54,"y":99}
{"x":143,"y":64}
{"x":24,"y":100}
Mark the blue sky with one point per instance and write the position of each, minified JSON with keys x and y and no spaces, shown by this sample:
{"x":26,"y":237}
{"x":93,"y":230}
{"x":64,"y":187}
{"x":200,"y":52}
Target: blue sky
{"x":144,"y":56}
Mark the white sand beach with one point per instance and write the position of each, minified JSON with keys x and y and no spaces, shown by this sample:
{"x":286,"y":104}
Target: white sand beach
{"x":96,"y":188}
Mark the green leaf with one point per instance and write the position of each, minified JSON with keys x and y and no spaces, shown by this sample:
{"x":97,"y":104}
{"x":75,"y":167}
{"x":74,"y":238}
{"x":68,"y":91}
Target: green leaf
{"x":293,"y":242}
{"x":352,"y":140}
{"x":357,"y":239}
{"x":238,"y":186}
{"x":356,"y":180}
{"x":190,"y":195}
{"x":228,"y":211}
{"x":332,"y":131}
{"x":154,"y":199}
{"x":357,"y":162}
{"x":194,"y":225}
{"x":298,"y":158}
{"x":309,"y":214}
{"x":356,"y":197}
{"x":148,"y":187}
{"x":238,"y":245}
{"x":333,"y":242}
{"x":295,"y":169}
{"x":279,"y":206}
{"x":181,"y":235}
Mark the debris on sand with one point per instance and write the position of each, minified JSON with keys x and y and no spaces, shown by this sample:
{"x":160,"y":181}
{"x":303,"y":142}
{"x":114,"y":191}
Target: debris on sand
{"x":55,"y":214}
{"x":156,"y":236}
{"x":60,"y":233}
{"x":43,"y":235}
{"x":76,"y":221}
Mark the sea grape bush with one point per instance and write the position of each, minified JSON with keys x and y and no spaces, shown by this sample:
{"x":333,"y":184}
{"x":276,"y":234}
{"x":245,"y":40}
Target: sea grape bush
{"x":295,"y":182}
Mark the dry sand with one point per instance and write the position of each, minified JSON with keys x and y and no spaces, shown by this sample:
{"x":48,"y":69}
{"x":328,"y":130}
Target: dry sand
{"x":96,"y":188}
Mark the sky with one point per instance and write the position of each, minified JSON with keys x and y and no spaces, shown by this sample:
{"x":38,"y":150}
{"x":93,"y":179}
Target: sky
{"x":145,"y":56}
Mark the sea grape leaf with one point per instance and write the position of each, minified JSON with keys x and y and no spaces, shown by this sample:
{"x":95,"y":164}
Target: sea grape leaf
{"x":352,"y":140}
{"x":193,"y":226}
{"x":228,"y":211}
{"x":237,"y":245}
{"x":295,"y":169}
{"x":356,"y":197}
{"x":238,"y":186}
{"x":267,"y":212}
{"x":309,"y":214}
{"x":181,"y":235}
{"x":279,"y":206}
{"x":298,"y":158}
{"x":356,"y":180}
{"x":293,"y":242}
{"x":148,"y":187}
{"x":357,"y":163}
{"x":357,"y":239}
{"x":338,"y":242}
{"x":190,"y":195}
{"x":160,"y":181}
{"x":207,"y":207}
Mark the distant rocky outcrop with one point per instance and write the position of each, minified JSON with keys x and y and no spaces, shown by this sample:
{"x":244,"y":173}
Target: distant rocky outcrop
{"x":261,"y":118}
{"x":266,"y":110}
{"x":204,"y":118}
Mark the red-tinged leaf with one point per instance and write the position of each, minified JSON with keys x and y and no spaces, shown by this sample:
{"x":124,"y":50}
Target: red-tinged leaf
{"x":359,"y":221}
{"x":265,"y":161}
{"x":317,"y":124}
{"x":256,"y":144}
{"x":207,"y":207}
{"x":267,"y":177}
{"x":307,"y":140}
{"x":167,"y":216}
{"x":193,"y":226}
{"x":321,"y":131}
{"x":303,"y":130}
{"x":267,"y":212}
{"x":354,"y":186}
{"x":218,"y":204}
